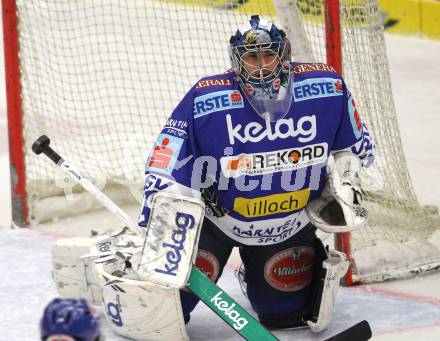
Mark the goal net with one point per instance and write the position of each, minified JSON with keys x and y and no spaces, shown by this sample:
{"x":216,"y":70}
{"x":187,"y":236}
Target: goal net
{"x":101,"y":77}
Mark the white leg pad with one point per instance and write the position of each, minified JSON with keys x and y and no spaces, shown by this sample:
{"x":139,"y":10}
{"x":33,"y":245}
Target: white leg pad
{"x":335,"y":266}
{"x":73,"y":276}
{"x":141,"y":310}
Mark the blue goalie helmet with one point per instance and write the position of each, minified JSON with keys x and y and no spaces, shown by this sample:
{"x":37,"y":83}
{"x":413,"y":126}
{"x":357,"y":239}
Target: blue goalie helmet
{"x":69,"y":320}
{"x":260,"y":57}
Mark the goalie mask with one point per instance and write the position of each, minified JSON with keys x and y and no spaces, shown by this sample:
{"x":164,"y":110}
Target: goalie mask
{"x":260,"y":56}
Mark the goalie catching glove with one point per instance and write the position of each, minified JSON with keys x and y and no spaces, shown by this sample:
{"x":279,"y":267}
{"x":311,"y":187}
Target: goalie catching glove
{"x":339,"y":208}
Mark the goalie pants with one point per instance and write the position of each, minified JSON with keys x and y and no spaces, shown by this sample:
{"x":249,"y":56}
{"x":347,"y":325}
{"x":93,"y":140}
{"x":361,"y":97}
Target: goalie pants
{"x":278,"y":277}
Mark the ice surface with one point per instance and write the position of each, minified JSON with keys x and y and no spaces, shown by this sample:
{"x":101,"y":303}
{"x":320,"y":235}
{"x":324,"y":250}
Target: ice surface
{"x":26,"y":287}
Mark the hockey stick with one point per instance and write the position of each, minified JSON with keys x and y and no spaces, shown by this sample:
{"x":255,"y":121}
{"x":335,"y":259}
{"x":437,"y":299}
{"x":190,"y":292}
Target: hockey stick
{"x":359,"y":332}
{"x":208,"y":292}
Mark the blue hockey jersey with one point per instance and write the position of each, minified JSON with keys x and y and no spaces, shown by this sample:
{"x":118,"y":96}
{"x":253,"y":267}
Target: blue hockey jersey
{"x":256,"y":176}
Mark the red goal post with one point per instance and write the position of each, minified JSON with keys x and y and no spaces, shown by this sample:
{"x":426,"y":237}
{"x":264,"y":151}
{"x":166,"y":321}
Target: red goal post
{"x":333,"y":46}
{"x":20,"y":212}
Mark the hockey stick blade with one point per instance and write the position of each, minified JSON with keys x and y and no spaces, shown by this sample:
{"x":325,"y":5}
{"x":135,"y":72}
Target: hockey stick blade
{"x":359,"y":332}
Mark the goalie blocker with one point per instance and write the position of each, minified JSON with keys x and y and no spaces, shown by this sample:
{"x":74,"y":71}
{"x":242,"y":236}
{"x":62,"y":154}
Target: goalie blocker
{"x":172,"y":236}
{"x":136,"y":278}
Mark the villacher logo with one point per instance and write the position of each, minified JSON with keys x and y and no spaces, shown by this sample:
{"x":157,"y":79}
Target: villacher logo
{"x":290,"y":269}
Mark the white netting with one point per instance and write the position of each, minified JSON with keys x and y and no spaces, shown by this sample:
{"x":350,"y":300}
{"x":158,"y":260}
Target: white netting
{"x":402,"y":237}
{"x":100,"y":77}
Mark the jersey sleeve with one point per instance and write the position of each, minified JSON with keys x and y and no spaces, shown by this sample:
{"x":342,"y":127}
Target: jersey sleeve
{"x":170,"y":163}
{"x":352,"y":135}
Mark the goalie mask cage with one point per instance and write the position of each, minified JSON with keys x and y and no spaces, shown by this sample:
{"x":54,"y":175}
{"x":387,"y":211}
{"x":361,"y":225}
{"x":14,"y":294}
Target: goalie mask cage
{"x":101,"y":77}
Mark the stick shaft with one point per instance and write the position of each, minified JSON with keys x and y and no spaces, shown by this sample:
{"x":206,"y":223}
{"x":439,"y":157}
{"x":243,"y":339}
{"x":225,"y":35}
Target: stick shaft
{"x":67,"y":168}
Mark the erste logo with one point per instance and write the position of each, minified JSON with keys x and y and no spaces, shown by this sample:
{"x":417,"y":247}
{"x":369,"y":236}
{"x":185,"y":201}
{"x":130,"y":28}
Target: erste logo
{"x":217,"y":101}
{"x":316,"y":88}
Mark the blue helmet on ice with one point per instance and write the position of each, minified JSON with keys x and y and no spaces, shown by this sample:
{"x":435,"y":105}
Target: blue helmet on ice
{"x":260,"y":56}
{"x":69,"y":320}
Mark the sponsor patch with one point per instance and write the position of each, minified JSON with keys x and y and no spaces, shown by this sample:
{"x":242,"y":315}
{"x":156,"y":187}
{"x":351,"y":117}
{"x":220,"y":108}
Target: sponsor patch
{"x":354,"y":117}
{"x":154,"y":182}
{"x":272,"y":204}
{"x":165,"y":153}
{"x":176,"y":128}
{"x":208,"y":263}
{"x":316,"y":88}
{"x":217,"y":101}
{"x":312,"y":68}
{"x":291,"y":269}
{"x":304,"y":128}
{"x":275,"y":161}
{"x":176,"y":245}
{"x":226,"y":306}
{"x":269,"y":233}
{"x":213,"y":82}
